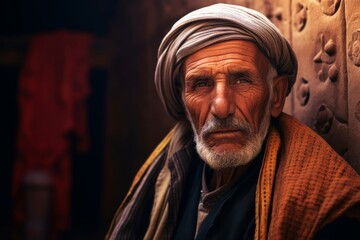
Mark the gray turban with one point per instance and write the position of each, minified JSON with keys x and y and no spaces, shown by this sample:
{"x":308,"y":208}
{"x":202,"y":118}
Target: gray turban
{"x":213,"y":24}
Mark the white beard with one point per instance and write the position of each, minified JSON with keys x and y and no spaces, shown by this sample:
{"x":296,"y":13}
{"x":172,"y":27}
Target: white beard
{"x":239,"y":157}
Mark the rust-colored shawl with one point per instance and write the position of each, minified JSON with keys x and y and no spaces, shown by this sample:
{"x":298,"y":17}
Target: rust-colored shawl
{"x":313,"y":185}
{"x":303,"y":184}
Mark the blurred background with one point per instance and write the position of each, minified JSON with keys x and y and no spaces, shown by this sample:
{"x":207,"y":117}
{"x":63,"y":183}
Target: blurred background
{"x":80,"y":112}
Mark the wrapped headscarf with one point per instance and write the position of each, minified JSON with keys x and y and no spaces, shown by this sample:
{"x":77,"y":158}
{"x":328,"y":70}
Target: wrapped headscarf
{"x":210,"y":25}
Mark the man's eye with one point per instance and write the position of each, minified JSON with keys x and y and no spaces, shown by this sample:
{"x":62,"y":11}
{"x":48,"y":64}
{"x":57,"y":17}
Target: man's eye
{"x":241,"y":81}
{"x":201,"y":84}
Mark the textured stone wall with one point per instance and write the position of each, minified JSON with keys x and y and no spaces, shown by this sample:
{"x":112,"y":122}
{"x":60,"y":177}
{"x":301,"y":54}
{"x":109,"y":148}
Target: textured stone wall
{"x":324,"y":36}
{"x":352,"y":56}
{"x":320,"y":92}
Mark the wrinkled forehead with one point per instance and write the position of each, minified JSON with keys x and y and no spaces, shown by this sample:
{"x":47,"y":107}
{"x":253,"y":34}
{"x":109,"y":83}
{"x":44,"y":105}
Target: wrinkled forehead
{"x":230,"y":50}
{"x":232,"y":55}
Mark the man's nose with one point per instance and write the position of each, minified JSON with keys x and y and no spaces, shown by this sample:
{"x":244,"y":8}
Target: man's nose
{"x":222,"y":103}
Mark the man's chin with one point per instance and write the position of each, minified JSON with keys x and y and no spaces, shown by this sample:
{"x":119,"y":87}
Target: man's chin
{"x":220,"y":164}
{"x":224,"y":148}
{"x":218,"y":160}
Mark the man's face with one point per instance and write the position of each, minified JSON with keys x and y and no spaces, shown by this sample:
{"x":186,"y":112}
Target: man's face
{"x":227,"y":99}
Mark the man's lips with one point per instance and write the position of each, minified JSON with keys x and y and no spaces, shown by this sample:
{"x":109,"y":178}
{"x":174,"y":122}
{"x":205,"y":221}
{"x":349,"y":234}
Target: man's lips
{"x":228,"y":136}
{"x":223,"y":132}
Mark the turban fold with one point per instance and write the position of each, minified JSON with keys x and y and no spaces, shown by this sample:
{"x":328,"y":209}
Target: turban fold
{"x":210,"y":25}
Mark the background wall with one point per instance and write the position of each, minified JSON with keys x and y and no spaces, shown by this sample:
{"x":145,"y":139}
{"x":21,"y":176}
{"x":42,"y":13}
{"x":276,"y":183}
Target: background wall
{"x":131,"y":121}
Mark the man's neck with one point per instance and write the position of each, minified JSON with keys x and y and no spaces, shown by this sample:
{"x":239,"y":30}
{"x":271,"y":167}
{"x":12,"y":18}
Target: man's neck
{"x":225,"y":176}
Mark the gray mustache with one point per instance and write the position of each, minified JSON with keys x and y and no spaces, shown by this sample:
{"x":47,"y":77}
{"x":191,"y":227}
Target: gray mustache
{"x":229,"y":123}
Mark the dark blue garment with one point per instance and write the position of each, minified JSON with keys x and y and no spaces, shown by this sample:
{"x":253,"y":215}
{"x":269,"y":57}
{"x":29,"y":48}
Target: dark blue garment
{"x":233,"y":215}
{"x":189,"y":205}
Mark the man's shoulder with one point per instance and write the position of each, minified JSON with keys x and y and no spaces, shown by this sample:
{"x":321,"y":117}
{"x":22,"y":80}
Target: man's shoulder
{"x":306,"y":154}
{"x":314,"y":185}
{"x":303,"y":143}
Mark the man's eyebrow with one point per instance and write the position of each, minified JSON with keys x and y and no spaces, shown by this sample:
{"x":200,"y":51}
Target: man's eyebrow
{"x":197,"y":76}
{"x":242,"y":73}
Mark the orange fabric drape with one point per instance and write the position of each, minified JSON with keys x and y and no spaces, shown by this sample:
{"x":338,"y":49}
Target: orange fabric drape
{"x":303,"y":185}
{"x":52,"y":95}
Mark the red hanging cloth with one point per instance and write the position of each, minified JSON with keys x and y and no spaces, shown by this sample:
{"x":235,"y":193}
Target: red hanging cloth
{"x":52,"y":97}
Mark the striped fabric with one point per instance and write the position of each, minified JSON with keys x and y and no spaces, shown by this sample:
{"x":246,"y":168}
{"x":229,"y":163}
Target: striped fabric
{"x":179,"y":169}
{"x":132,"y":218}
{"x":131,"y":221}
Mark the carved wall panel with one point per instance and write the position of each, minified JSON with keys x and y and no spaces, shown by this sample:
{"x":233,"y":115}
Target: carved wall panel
{"x":320,"y":92}
{"x":278,"y":12}
{"x":352,"y":45}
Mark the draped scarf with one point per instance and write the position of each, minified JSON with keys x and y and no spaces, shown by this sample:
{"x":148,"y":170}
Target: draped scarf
{"x":303,"y":186}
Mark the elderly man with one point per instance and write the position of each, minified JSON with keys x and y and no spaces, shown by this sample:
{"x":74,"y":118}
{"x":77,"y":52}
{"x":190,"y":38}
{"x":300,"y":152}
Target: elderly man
{"x":235,"y":166}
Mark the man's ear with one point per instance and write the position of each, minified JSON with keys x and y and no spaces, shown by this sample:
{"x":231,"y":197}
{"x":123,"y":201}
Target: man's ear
{"x":280,"y":86}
